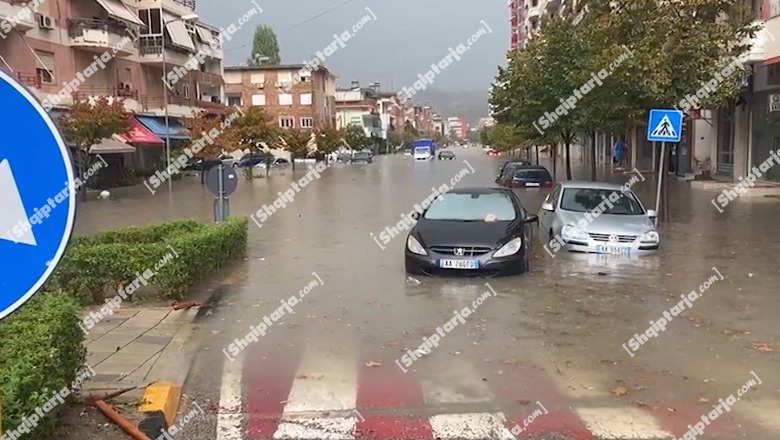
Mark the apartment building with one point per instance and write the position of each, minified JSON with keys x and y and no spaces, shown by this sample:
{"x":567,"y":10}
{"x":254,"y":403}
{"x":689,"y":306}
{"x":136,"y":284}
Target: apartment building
{"x":457,"y":127}
{"x":525,"y":17}
{"x":116,"y":48}
{"x":308,"y":104}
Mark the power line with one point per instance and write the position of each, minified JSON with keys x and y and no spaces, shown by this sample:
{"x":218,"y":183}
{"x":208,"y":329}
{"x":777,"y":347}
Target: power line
{"x":299,"y":24}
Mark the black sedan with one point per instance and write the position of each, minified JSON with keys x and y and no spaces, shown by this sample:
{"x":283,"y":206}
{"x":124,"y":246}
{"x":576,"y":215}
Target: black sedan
{"x":471,"y":231}
{"x":446,"y":155}
{"x":361,"y":157}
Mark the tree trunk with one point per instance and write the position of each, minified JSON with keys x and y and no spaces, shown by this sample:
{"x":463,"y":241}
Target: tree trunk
{"x":593,"y":156}
{"x":536,"y":147}
{"x":568,"y":160}
{"x":667,"y":215}
{"x":554,"y":157}
{"x":292,"y":159}
{"x":83,"y":155}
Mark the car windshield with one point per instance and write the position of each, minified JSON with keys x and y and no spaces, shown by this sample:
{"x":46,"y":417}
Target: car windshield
{"x":447,"y":153}
{"x":587,"y":199}
{"x":532,"y":174}
{"x":362,"y":155}
{"x":421,"y":150}
{"x":472,"y":207}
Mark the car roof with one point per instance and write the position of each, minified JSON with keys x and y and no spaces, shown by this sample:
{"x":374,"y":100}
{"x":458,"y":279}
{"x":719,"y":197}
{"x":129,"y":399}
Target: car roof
{"x":480,"y":190}
{"x":582,"y":184}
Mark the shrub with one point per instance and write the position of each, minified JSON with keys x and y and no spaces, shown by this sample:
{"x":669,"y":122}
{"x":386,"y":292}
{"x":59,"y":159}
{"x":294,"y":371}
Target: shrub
{"x":40,"y":353}
{"x":110,"y":260}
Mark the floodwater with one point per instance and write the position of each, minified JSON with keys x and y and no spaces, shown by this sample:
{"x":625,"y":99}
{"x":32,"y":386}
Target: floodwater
{"x":564,"y":324}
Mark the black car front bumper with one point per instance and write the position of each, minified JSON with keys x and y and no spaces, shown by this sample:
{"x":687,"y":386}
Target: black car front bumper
{"x":429,"y":264}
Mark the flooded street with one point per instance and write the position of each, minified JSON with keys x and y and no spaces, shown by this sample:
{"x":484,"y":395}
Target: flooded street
{"x":552,"y":338}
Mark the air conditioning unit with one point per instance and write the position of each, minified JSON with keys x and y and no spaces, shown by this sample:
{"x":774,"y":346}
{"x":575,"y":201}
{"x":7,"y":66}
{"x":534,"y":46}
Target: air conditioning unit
{"x":45,"y":22}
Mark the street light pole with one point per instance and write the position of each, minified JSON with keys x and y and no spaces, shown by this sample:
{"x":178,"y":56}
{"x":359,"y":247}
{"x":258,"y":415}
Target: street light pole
{"x":189,"y":17}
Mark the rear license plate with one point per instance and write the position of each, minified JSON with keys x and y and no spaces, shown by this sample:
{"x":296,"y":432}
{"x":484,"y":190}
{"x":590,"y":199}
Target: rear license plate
{"x":459,"y":264}
{"x":618,"y":250}
{"x":531,"y":184}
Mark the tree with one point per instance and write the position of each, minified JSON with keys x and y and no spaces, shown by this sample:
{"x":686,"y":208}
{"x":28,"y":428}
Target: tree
{"x":394,"y":138}
{"x":254,"y":130}
{"x":87,"y":124}
{"x":329,"y":139}
{"x":355,"y":137}
{"x":296,"y":141}
{"x":264,"y":45}
{"x":203,"y":123}
{"x":506,"y":137}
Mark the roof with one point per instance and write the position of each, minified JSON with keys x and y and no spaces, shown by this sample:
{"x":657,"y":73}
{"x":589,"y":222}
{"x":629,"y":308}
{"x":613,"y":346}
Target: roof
{"x":480,"y":190}
{"x":591,"y":185}
{"x":273,"y":67}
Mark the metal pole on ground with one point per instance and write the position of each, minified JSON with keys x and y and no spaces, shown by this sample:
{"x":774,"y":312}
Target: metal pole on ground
{"x":660,"y":180}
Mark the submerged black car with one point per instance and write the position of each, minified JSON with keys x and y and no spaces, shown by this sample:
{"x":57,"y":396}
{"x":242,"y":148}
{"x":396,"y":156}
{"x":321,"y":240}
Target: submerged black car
{"x":471,"y":231}
{"x":446,"y":155}
{"x":361,"y":157}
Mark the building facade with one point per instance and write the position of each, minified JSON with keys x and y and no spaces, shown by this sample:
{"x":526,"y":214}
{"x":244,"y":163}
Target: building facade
{"x":308,"y":104}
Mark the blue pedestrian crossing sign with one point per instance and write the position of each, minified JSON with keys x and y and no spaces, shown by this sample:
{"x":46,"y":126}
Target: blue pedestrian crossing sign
{"x":37,"y":209}
{"x":664,"y":125}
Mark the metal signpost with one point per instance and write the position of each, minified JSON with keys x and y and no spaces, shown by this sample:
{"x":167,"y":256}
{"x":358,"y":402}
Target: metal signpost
{"x":221,"y":181}
{"x":663,"y":125}
{"x":38,"y":209}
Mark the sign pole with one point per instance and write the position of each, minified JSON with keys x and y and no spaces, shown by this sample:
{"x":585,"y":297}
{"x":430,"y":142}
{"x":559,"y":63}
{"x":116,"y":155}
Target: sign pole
{"x":660,"y":181}
{"x":221,"y":194}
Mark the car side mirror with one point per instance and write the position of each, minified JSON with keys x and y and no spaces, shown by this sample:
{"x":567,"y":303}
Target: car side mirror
{"x":416,"y":215}
{"x":532,"y":218}
{"x":651,"y":213}
{"x":547,"y":207}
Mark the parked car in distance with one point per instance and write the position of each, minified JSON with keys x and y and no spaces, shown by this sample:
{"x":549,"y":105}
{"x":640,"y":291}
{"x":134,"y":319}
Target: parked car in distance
{"x":344,"y":158}
{"x":251,"y":159}
{"x":471,"y":231}
{"x":276,"y":163}
{"x":446,"y":155}
{"x":527,"y":177}
{"x":227,"y":160}
{"x":361,"y":157}
{"x":624,"y":226}
{"x":514,"y":163}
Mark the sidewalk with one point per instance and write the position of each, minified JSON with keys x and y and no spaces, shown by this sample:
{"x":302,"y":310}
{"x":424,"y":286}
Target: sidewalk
{"x":136,"y":347}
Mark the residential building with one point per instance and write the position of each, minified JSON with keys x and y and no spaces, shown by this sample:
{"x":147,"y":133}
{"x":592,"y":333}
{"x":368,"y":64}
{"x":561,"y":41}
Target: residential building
{"x":308,"y":104}
{"x":359,"y":106}
{"x":485,"y":122}
{"x":438,"y":125}
{"x":68,"y":37}
{"x":457,"y":127}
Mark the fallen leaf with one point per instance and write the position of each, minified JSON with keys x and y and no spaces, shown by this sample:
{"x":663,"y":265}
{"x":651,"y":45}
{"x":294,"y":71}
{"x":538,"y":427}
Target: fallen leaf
{"x":642,"y":404}
{"x":301,"y":376}
{"x":523,"y":402}
{"x":704,"y":400}
{"x":373,"y":364}
{"x":620,"y":391}
{"x":762,"y":346}
{"x":640,"y":388}
{"x":671,"y":409}
{"x":511,"y":361}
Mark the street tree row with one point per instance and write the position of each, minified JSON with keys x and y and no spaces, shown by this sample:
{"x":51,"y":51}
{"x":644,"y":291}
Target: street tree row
{"x":602,"y":67}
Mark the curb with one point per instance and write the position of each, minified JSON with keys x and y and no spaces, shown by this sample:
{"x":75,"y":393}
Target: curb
{"x":160,"y":401}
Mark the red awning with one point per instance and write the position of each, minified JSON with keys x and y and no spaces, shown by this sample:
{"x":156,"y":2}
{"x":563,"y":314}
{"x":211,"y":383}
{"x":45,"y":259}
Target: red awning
{"x":139,"y":135}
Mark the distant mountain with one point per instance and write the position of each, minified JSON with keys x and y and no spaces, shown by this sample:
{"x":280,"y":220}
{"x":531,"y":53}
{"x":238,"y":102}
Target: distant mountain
{"x":467,"y":104}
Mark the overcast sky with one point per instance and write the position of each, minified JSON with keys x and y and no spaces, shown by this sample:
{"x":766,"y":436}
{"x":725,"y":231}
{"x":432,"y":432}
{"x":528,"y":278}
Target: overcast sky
{"x":404,"y":40}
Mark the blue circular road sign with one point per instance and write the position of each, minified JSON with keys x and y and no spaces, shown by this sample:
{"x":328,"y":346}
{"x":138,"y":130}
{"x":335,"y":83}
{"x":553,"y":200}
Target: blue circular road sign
{"x":37,"y":209}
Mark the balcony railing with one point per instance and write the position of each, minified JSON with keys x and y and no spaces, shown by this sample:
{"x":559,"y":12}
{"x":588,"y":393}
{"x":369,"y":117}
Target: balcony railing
{"x":77,"y":26}
{"x":190,"y":4}
{"x":152,"y":45}
{"x":116,"y":92}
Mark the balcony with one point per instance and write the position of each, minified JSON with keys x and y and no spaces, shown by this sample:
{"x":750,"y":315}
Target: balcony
{"x":534,"y":12}
{"x":764,"y":45}
{"x":98,"y":35}
{"x":9,"y":12}
{"x":88,"y":90}
{"x":150,"y":51}
{"x":552,"y":6}
{"x":180,"y":104}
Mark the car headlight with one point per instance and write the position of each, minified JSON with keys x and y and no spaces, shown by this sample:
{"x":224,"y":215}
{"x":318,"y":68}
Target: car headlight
{"x":572,"y":232}
{"x":414,"y":246}
{"x":510,"y":248}
{"x":650,"y":237}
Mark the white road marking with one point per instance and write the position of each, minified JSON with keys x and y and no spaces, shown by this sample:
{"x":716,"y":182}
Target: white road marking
{"x":476,"y":426}
{"x":230,"y":418}
{"x":325,"y":382}
{"x":621,"y":423}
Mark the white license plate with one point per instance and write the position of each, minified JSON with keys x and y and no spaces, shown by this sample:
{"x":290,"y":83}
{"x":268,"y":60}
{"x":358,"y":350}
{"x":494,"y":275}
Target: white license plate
{"x":459,"y":264}
{"x":531,"y":184}
{"x":620,"y":250}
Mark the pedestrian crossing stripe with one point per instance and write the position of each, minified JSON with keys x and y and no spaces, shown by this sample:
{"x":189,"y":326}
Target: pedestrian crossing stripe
{"x":665,"y":129}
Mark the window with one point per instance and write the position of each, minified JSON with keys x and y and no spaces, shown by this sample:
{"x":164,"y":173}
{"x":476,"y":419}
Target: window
{"x":152,"y":20}
{"x":286,"y":121}
{"x":284,"y":77}
{"x":257,"y":78}
{"x":258,"y":99}
{"x":232,"y":77}
{"x":306,"y":78}
{"x":305,"y":98}
{"x":587,"y":199}
{"x":45,"y":67}
{"x":234,"y":100}
{"x":285,"y":99}
{"x":307,"y":122}
{"x":185,"y":90}
{"x":472,"y":207}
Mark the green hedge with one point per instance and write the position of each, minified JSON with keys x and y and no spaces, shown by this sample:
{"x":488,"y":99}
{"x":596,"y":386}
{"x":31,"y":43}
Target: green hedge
{"x":40,"y":353}
{"x":113,"y":259}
